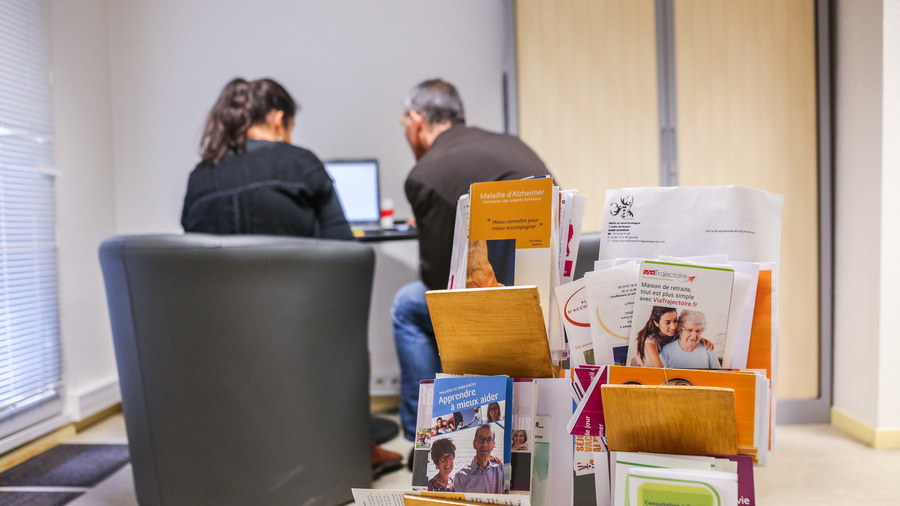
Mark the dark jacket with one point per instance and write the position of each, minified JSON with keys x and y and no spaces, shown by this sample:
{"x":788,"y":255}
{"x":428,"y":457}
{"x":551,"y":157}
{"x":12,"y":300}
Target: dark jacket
{"x":269,"y":188}
{"x":459,"y":157}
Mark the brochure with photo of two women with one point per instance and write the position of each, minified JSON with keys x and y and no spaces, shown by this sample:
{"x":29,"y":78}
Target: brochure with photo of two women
{"x":681,"y":316}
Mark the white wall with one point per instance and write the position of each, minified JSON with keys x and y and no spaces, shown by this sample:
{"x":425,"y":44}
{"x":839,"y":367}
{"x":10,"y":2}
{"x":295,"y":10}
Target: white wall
{"x":348,"y":63}
{"x":889,"y":373}
{"x":858,"y":200}
{"x":134,"y":80}
{"x":85,"y":198}
{"x":867,"y":162}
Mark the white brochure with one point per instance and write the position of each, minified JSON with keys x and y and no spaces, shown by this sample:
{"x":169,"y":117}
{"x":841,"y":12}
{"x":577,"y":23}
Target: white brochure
{"x":743,"y":223}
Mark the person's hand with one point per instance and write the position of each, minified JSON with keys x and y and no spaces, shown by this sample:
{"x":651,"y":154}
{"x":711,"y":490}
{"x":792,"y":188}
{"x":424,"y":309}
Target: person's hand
{"x":707,"y":343}
{"x":410,"y":222}
{"x":494,"y":458}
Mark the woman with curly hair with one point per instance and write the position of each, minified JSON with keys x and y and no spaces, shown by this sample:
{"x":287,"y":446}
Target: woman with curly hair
{"x":443,"y":454}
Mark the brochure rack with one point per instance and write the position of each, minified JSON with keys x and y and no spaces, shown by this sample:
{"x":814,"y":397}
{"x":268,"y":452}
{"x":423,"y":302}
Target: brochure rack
{"x":491,"y":331}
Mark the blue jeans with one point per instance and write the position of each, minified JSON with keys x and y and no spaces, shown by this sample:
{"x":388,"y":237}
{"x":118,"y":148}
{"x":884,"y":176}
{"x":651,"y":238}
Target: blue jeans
{"x":416,"y":350}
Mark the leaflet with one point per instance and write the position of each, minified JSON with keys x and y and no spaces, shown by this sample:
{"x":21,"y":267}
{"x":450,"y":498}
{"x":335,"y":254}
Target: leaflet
{"x":743,"y":223}
{"x":458,"y":257}
{"x":682,"y":316}
{"x":610,"y":298}
{"x":679,"y":486}
{"x":575,"y":311}
{"x":468,"y":410}
{"x":513,"y":240}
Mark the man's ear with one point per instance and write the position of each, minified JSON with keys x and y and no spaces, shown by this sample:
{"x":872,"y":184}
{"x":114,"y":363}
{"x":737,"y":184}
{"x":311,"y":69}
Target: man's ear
{"x":416,"y":119}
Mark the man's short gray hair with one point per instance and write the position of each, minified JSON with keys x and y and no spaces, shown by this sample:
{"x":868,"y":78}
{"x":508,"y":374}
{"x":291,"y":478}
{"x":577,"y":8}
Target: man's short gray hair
{"x":437,"y":101}
{"x":489,"y":426}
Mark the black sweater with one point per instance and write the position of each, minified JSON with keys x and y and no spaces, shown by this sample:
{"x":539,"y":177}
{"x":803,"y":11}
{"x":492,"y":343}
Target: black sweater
{"x":269,"y":188}
{"x":459,"y":157}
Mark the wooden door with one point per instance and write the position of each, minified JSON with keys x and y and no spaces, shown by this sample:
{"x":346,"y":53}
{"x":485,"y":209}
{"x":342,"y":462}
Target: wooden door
{"x":746,"y":98}
{"x":587,"y":93}
{"x":746,"y":109}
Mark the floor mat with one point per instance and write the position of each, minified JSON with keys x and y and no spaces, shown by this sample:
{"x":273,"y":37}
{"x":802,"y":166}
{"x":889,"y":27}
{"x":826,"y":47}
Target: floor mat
{"x":37,"y":498}
{"x":67,"y":465}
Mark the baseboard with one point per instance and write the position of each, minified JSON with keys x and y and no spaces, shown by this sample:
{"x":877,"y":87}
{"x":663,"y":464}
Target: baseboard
{"x":97,"y":399}
{"x":880,"y":439}
{"x":384,"y":403}
{"x":98,"y":417}
{"x":52,"y":422}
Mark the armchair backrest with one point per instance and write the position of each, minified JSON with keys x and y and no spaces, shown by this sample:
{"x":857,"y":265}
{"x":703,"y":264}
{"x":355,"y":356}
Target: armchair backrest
{"x":243,"y":366}
{"x":588,"y":253}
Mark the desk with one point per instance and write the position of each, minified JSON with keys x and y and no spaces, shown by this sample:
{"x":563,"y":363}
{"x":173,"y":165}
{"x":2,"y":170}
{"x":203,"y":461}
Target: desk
{"x":396,"y":264}
{"x":386,"y":235}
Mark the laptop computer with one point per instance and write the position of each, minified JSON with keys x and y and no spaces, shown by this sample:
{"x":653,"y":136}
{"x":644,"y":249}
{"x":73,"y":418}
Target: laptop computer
{"x":357,"y":183}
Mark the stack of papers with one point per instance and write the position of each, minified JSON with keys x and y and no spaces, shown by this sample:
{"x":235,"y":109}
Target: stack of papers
{"x":644,"y":478}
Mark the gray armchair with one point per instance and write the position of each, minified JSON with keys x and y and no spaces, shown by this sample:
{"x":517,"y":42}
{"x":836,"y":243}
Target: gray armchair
{"x":243,"y":366}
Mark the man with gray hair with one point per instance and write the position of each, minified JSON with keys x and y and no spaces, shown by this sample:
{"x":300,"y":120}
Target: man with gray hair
{"x":450,"y":156}
{"x":484,"y":475}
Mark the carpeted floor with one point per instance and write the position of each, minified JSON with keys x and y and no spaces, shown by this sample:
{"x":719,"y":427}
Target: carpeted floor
{"x":60,"y":474}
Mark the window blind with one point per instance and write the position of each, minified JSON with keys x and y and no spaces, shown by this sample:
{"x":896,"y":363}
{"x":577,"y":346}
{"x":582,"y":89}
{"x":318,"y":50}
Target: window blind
{"x":30,"y":364}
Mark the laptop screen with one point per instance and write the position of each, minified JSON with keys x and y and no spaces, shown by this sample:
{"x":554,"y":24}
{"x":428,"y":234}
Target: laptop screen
{"x":356,"y":182}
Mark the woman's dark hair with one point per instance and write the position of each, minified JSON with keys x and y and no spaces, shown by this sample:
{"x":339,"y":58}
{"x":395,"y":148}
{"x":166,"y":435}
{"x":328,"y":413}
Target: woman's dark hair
{"x":241,"y":105}
{"x":440,"y":447}
{"x":268,"y":95}
{"x":651,"y":329}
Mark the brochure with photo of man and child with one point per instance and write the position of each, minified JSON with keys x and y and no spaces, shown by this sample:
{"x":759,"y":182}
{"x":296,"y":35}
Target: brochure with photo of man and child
{"x":475,"y":435}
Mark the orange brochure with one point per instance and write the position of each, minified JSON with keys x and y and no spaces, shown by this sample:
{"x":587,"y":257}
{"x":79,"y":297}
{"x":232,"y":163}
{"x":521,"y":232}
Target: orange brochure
{"x":759,"y":355}
{"x":513,"y":228}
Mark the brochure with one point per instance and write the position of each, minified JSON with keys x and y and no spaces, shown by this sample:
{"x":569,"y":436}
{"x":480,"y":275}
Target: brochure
{"x":743,"y":301}
{"x":611,"y":299}
{"x":458,"y":256}
{"x":742,"y":338}
{"x":513,"y":229}
{"x":384,"y":497}
{"x":570,"y":232}
{"x":587,"y":424}
{"x":682,"y":313}
{"x":522,"y":437}
{"x":555,"y":402}
{"x":684,"y":487}
{"x":743,"y":466}
{"x":743,"y":223}
{"x":587,"y":419}
{"x":621,"y":463}
{"x":425,"y":430}
{"x":541,"y":469}
{"x":573,"y":306}
{"x":471,"y":422}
